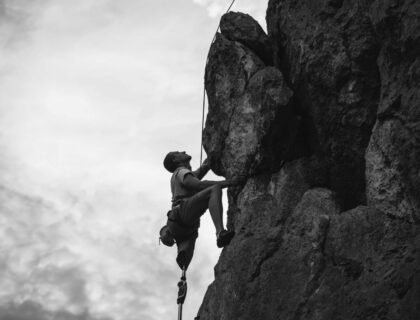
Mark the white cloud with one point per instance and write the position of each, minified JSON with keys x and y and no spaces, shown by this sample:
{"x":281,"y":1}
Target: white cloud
{"x":94,"y":93}
{"x":30,"y":310}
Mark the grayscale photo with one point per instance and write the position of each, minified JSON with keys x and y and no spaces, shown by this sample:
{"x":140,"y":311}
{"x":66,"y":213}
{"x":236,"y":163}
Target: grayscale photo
{"x":209,"y":160}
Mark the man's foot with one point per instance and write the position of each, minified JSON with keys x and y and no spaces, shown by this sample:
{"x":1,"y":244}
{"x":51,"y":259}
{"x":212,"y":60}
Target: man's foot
{"x":224,"y":237}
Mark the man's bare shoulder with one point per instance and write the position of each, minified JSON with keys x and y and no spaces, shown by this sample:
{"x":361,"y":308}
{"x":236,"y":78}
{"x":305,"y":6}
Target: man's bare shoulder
{"x":182,"y":173}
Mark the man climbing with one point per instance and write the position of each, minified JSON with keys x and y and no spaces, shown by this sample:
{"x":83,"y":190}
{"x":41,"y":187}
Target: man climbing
{"x":191,"y":197}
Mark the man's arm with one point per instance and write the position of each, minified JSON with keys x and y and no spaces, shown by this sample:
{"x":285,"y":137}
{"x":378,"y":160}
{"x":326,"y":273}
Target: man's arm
{"x":202,"y":171}
{"x":191,"y":182}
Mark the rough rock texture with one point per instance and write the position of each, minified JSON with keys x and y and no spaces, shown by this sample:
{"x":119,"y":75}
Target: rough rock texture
{"x":328,"y":222}
{"x":328,"y":51}
{"x":243,"y":28}
{"x":393,"y":156}
{"x":245,"y":97}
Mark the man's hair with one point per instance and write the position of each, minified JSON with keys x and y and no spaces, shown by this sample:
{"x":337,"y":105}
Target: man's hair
{"x":169,"y":162}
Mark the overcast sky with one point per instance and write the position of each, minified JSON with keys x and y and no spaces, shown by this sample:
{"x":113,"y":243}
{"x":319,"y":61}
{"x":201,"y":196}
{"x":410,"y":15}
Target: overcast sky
{"x":93,"y":94}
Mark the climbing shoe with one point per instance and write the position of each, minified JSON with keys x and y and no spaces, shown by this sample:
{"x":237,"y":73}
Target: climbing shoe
{"x":224,"y":237}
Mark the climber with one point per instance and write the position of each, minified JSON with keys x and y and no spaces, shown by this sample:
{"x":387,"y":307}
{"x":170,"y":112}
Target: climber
{"x":191,"y":197}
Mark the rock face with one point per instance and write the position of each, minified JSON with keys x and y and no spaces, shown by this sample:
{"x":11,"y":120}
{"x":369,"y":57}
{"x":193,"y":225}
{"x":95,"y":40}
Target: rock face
{"x":328,"y":51}
{"x":392,"y":159}
{"x":327,"y":131}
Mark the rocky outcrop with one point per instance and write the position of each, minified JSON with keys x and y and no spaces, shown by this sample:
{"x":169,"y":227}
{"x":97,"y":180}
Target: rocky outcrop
{"x":328,"y":133}
{"x":300,"y":257}
{"x":243,"y":28}
{"x":247,"y":100}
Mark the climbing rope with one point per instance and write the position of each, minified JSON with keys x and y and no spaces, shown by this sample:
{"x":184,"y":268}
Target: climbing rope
{"x":204,"y":91}
{"x":182,"y":292}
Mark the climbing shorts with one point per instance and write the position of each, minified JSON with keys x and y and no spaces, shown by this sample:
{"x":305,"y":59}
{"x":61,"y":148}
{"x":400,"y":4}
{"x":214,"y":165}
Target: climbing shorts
{"x":178,"y":226}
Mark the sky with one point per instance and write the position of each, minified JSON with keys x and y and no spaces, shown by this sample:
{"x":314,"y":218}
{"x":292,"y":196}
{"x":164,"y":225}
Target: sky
{"x":93,"y":94}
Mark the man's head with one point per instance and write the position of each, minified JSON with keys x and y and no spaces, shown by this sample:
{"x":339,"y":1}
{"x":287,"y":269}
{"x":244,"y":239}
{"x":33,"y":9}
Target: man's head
{"x":176,"y":159}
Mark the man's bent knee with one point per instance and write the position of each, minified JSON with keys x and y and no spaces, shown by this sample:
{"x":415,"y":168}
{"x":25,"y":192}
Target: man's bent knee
{"x":214,"y":190}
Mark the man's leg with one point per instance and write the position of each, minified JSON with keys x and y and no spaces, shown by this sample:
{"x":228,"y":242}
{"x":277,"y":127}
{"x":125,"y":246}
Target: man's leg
{"x":185,"y":252}
{"x":195,"y":206}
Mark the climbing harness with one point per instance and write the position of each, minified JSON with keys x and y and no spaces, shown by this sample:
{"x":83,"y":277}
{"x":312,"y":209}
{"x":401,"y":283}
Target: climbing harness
{"x":204,"y":85}
{"x":182,"y":292}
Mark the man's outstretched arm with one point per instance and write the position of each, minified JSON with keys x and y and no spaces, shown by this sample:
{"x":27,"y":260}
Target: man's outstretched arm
{"x":202,"y":171}
{"x":191,"y":182}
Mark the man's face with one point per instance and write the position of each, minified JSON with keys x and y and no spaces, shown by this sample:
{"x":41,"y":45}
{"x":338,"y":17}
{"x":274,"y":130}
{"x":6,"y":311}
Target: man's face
{"x":183,"y":158}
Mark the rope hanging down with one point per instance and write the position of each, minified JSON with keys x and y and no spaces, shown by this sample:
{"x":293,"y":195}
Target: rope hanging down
{"x":182,"y":292}
{"x":204,"y":91}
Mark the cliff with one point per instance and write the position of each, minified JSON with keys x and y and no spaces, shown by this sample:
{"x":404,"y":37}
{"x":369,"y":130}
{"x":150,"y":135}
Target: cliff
{"x":323,"y":117}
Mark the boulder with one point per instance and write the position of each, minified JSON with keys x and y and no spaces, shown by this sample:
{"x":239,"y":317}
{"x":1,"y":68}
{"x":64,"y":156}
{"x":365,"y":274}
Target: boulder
{"x":246,"y":101}
{"x":237,"y":26}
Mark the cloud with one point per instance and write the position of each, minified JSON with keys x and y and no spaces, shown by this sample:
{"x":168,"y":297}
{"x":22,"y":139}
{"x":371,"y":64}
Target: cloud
{"x":50,"y":258}
{"x":94,"y":93}
{"x":30,"y":310}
